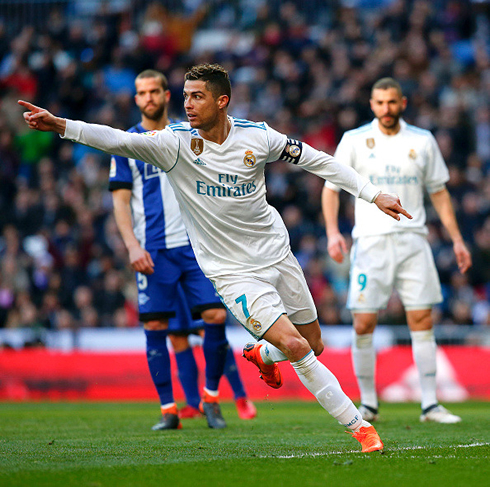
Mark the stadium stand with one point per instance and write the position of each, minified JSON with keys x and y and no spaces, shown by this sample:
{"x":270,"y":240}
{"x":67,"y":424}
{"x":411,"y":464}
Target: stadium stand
{"x":305,"y":67}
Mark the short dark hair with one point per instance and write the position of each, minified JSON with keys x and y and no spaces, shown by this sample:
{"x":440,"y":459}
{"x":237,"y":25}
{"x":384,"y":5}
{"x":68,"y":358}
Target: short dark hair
{"x":214,"y":75}
{"x":152,"y":73}
{"x":386,"y":83}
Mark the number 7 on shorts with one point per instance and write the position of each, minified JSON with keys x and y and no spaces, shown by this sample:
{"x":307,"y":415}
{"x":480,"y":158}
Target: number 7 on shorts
{"x":243,"y":301}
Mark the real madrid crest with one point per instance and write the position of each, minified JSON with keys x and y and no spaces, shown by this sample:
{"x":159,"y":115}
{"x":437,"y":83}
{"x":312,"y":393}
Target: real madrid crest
{"x":293,"y":150}
{"x":257,"y":325}
{"x":370,"y":143}
{"x":412,"y":154}
{"x":197,"y":146}
{"x":249,"y":160}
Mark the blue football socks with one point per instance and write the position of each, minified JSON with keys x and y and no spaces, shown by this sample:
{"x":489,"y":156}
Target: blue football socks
{"x":188,"y":375}
{"x":159,"y":364}
{"x":215,"y":348}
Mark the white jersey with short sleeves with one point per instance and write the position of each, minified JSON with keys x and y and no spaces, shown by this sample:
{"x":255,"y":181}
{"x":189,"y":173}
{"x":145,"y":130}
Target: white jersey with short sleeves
{"x":221,"y":188}
{"x":404,"y":164}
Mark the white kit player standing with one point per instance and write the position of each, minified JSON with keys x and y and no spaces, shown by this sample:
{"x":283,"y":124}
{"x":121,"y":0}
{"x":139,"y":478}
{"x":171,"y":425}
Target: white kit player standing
{"x":386,"y":254}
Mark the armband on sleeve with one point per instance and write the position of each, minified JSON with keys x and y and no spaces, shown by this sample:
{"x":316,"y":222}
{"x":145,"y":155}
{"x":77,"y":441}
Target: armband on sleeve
{"x":292,"y":152}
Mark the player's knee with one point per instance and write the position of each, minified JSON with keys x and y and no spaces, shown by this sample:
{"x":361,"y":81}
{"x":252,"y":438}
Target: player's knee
{"x":420,"y":320}
{"x":155,"y":325}
{"x":361,"y":328}
{"x":318,"y":347}
{"x":214,"y":316}
{"x":364,"y":326}
{"x":179,"y":343}
{"x":294,"y":347}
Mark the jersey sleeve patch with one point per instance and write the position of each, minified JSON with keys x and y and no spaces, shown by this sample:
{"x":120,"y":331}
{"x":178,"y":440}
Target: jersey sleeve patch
{"x":113,"y":169}
{"x":292,"y":152}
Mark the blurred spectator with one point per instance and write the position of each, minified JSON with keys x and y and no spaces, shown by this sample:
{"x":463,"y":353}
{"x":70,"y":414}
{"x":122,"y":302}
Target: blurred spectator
{"x":111,"y":298}
{"x":49,"y":308}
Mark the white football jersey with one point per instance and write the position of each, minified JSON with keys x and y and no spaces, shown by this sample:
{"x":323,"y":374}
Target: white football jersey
{"x":221,"y":188}
{"x":404,"y":164}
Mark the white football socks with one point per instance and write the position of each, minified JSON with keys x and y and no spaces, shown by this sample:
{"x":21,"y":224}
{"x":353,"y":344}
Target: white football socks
{"x":326,"y":388}
{"x":364,"y":361}
{"x":271,"y":354}
{"x":424,"y":356}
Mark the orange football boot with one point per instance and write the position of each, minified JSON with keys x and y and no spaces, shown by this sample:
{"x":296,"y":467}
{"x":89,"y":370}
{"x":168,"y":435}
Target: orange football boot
{"x":269,"y":373}
{"x":245,"y":408}
{"x":188,"y":412}
{"x":369,"y":439}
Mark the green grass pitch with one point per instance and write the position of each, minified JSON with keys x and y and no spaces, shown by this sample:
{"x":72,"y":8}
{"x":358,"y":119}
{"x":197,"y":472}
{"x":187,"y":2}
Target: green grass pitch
{"x":288,"y":444}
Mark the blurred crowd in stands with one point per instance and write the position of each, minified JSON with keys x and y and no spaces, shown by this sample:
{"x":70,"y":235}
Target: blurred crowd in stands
{"x":306,"y":67}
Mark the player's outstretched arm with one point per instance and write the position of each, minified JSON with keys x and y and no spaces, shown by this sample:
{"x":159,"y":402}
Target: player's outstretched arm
{"x":149,"y":149}
{"x":390,"y":204}
{"x":38,"y":118}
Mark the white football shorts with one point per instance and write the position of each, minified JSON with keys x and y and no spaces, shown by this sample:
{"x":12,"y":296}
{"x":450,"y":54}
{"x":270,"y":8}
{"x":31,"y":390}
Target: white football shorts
{"x":257,"y":299}
{"x":401,"y":261}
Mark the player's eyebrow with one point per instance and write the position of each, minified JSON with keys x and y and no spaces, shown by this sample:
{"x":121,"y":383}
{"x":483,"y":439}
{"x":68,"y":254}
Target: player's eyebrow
{"x":194,"y":92}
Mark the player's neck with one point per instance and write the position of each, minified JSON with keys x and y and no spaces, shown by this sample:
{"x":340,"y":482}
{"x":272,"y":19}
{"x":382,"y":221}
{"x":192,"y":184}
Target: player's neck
{"x":389,"y":130}
{"x":159,"y":124}
{"x":218,"y":133}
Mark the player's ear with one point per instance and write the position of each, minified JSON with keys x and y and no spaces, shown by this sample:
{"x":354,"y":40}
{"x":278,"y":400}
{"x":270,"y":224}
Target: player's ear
{"x":371,"y":104}
{"x":404,"y":102}
{"x":223,"y":101}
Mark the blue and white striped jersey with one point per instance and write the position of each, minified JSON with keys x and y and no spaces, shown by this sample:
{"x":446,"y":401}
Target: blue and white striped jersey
{"x":157,"y":221}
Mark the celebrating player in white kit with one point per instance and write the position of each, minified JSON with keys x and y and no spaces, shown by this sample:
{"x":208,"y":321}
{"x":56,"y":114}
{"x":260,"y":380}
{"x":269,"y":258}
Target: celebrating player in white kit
{"x":215,"y":164}
{"x":388,"y":254}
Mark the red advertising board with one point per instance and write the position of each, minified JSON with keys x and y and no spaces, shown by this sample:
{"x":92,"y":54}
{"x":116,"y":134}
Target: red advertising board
{"x":39,"y":374}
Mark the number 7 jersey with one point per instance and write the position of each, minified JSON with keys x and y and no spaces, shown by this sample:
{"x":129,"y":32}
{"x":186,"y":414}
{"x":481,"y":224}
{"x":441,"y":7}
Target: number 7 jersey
{"x":221,"y":187}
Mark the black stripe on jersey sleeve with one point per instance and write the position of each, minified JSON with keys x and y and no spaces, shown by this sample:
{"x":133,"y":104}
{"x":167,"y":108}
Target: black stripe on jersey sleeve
{"x":113,"y":185}
{"x":292,"y":152}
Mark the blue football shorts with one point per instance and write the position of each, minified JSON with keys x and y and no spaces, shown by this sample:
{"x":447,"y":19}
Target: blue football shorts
{"x":176,"y":270}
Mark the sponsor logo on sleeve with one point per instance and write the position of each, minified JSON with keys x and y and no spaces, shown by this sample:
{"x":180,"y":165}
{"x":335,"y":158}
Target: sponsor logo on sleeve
{"x":113,"y":169}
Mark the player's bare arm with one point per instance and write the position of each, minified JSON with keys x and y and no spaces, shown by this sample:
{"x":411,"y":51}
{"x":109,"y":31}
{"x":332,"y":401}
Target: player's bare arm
{"x":336,"y":246}
{"x":442,"y":203}
{"x":139,"y":259}
{"x":390,"y":204}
